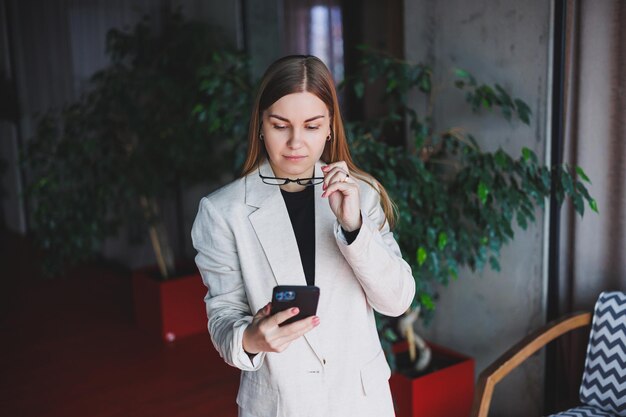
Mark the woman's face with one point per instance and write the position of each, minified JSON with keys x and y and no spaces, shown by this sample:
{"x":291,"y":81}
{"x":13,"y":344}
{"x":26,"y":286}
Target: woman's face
{"x":295,"y":129}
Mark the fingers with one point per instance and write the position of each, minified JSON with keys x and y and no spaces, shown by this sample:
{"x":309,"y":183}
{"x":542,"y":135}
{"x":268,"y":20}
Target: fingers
{"x":263,"y":311}
{"x":335,"y":175}
{"x":335,"y":172}
{"x":295,"y":330}
{"x":265,"y":335}
{"x":284,"y":315}
{"x":278,"y":338}
{"x":338,"y":164}
{"x":347,"y":187}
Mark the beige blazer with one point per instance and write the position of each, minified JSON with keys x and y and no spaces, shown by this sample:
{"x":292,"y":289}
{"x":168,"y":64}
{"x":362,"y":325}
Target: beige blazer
{"x":246,"y":246}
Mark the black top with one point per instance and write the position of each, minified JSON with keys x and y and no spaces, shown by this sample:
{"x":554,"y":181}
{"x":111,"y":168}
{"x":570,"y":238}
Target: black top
{"x":301,"y":209}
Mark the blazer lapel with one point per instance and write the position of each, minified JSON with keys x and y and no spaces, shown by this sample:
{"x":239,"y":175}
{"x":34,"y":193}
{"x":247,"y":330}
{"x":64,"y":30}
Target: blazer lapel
{"x":272,"y":226}
{"x":325,"y":245}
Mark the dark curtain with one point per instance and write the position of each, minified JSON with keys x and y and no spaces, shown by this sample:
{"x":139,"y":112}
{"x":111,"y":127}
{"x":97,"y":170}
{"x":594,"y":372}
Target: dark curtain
{"x":592,"y":249}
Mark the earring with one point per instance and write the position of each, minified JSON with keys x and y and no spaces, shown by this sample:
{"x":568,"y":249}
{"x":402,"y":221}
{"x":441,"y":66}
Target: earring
{"x":329,"y":137}
{"x":261,"y":137}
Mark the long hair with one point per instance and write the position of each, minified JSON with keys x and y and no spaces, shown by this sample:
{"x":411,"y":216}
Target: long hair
{"x":306,"y":73}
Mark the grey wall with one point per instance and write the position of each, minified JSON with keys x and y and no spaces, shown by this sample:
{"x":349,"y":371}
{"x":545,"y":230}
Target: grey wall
{"x":507,"y":42}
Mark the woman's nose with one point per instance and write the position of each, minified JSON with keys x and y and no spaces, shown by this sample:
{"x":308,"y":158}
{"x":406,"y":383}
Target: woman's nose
{"x":295,"y":140}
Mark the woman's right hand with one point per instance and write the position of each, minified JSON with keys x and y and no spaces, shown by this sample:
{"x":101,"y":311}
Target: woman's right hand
{"x":265,"y":335}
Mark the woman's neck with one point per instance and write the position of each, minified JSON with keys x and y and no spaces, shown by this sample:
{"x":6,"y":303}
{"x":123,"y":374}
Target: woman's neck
{"x":292,"y":187}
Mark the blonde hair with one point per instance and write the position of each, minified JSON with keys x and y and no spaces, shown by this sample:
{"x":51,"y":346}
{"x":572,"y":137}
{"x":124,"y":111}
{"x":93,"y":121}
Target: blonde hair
{"x":307,"y":73}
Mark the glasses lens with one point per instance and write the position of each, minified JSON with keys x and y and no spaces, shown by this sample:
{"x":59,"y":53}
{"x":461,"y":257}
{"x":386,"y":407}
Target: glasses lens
{"x":310,"y":181}
{"x":274,"y":181}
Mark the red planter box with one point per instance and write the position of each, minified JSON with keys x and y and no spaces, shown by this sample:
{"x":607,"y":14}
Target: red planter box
{"x":169,"y":309}
{"x":446,"y":392}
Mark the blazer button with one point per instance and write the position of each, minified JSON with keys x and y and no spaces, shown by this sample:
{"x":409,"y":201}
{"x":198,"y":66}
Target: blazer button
{"x":324,"y":361}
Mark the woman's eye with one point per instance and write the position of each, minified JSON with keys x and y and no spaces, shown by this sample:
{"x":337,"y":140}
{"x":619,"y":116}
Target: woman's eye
{"x":312,"y":127}
{"x":280,"y":127}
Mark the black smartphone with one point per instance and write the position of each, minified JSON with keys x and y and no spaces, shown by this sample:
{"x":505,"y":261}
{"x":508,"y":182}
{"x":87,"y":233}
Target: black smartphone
{"x":305,"y":297}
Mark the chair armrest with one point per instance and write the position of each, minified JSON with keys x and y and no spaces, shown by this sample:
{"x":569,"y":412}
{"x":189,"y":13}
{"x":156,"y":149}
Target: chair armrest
{"x":518,"y":354}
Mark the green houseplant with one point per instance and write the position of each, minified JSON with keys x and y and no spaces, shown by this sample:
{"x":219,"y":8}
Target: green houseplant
{"x":132,"y":139}
{"x":456,"y":203}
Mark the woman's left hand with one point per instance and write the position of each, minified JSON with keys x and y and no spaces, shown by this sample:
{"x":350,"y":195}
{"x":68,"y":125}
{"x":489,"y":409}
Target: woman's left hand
{"x":343,"y":195}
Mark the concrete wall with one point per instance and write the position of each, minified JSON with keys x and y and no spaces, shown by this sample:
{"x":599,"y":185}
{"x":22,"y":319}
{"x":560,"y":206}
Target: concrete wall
{"x":506,"y":42}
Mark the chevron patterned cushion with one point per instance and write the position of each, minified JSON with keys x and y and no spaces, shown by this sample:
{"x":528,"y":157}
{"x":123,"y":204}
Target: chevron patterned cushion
{"x":604,"y":379}
{"x":584,"y":411}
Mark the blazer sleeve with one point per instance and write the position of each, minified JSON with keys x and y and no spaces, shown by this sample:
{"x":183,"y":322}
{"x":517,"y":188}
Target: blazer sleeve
{"x":227,"y":307}
{"x":376,"y":260}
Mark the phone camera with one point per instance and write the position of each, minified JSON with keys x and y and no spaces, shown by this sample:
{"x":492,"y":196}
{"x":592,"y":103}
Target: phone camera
{"x":285,"y":295}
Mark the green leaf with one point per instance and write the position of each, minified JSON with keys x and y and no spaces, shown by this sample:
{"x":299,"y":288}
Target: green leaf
{"x":582,"y":174}
{"x":579,"y":205}
{"x":500,"y":158}
{"x":527,"y":154}
{"x":493,"y":262}
{"x":421,"y":256}
{"x":442,"y":241}
{"x":568,"y":184}
{"x":427,"y":301}
{"x":424,"y":85}
{"x":392,"y":84}
{"x":434,"y":262}
{"x":523,"y":111}
{"x":390,"y":335}
{"x":483,"y":192}
{"x":454,"y":273}
{"x":461,"y":73}
{"x":359,"y":89}
{"x":197,"y":109}
{"x":593,"y":205}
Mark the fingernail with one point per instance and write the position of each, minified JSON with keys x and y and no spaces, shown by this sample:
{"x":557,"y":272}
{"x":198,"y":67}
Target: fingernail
{"x":295,"y":310}
{"x":316,"y":321}
{"x":324,"y":194}
{"x":325,"y":167}
{"x":324,"y":186}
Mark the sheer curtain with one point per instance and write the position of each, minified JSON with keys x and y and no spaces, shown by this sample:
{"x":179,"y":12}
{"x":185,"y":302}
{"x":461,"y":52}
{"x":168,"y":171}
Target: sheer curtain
{"x":592,"y":249}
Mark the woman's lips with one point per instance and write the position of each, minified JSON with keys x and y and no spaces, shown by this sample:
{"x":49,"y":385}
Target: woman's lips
{"x":295,"y":158}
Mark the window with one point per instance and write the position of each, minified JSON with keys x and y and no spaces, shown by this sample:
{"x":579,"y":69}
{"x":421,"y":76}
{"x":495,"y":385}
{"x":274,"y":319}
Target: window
{"x":314,"y":27}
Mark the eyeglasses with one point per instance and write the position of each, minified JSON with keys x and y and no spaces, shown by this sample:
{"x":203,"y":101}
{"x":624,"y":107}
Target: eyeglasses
{"x":283,"y":181}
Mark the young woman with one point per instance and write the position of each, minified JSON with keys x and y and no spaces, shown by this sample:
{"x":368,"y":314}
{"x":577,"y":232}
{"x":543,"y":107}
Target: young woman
{"x":301,"y":214}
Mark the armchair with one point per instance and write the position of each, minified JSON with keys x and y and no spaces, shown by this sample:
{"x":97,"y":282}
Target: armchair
{"x":603,"y":388}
